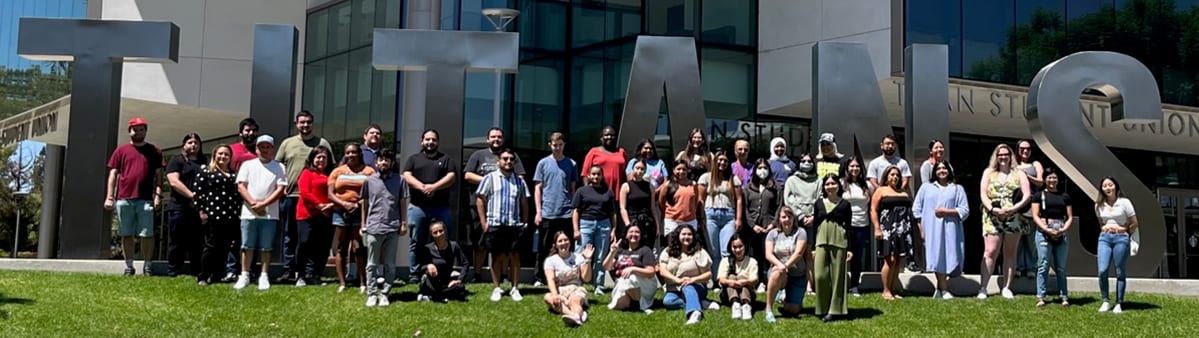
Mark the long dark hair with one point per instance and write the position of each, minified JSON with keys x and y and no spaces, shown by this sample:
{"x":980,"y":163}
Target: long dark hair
{"x":193,"y":136}
{"x":718,"y":175}
{"x":767,"y":182}
{"x":836,"y":179}
{"x":933,"y":178}
{"x":729,"y":248}
{"x":312,"y":157}
{"x":554,"y":247}
{"x":887,"y":173}
{"x":642,"y":144}
{"x":676,"y":248}
{"x":672,"y":184}
{"x":1102,"y":198}
{"x":859,"y":179}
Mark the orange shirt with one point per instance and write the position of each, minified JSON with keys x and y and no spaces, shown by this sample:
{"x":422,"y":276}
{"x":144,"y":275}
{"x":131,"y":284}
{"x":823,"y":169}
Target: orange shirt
{"x":685,"y":202}
{"x":347,"y":184}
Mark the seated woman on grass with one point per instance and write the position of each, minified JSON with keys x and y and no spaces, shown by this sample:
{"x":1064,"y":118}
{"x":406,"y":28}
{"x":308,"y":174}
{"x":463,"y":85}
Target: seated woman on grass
{"x":436,"y":261}
{"x":786,"y":246}
{"x":635,"y":270}
{"x":686,"y":269}
{"x":569,"y":271}
{"x":738,"y":277}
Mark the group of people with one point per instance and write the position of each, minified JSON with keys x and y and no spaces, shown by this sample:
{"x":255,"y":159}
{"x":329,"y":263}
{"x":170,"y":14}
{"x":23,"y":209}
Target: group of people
{"x":706,"y":220}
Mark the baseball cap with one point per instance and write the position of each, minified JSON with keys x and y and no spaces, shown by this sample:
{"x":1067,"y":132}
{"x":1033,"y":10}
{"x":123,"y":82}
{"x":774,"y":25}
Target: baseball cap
{"x":265,"y":139}
{"x":827,"y":138}
{"x":137,"y":121}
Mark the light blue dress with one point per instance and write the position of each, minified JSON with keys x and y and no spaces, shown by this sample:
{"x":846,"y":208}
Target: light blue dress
{"x":943,"y":238}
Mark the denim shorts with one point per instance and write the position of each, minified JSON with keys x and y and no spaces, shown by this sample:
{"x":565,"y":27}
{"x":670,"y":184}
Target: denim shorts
{"x":352,"y":219}
{"x":795,"y":289}
{"x":135,"y":218}
{"x":258,"y":234}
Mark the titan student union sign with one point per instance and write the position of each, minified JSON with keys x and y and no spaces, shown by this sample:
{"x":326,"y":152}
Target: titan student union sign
{"x":847,"y":100}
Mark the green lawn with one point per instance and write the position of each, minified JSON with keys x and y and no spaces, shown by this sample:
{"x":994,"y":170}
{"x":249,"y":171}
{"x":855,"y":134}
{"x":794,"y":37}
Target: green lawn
{"x":92,"y":305}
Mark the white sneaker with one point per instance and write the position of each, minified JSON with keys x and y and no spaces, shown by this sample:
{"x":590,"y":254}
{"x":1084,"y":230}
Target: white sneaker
{"x":423,"y":298}
{"x":762,"y":288}
{"x":362,"y":289}
{"x":713,"y":306}
{"x":946,"y":295}
{"x":982,"y":293}
{"x":264,"y":282}
{"x":747,"y":312}
{"x":537,"y":284}
{"x":1105,"y":307}
{"x":736,"y":311}
{"x":515,"y":294}
{"x":648,"y":311}
{"x":372,"y":301}
{"x":599,"y":291}
{"x":301,"y":283}
{"x":497,"y":294}
{"x":242,"y":282}
{"x":854,"y":292}
{"x":1007,"y":294}
{"x":383,"y":301}
{"x":583,"y":316}
{"x":1117,"y":309}
{"x":694,"y":318}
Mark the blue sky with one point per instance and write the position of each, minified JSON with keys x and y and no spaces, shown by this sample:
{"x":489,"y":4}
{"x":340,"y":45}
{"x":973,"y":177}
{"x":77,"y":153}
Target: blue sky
{"x":12,"y":10}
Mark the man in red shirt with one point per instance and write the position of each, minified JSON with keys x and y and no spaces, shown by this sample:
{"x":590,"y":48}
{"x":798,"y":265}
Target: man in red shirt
{"x":134,"y":189}
{"x":608,"y":156}
{"x":244,"y":151}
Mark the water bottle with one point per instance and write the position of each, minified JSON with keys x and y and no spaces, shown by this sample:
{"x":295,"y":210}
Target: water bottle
{"x":536,"y":240}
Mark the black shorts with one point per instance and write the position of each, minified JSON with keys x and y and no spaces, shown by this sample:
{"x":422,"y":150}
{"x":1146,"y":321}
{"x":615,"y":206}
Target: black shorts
{"x":472,"y":234}
{"x":504,"y":239}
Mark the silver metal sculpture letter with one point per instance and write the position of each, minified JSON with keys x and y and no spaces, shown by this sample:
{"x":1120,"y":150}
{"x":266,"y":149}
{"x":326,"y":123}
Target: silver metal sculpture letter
{"x":926,"y":88}
{"x":98,"y":49}
{"x":662,"y":62}
{"x":846,"y":100}
{"x":446,"y":56}
{"x":1056,"y":125}
{"x":273,"y":78}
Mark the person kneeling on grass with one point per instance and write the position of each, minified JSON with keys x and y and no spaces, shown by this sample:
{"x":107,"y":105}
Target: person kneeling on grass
{"x":686,"y":268}
{"x":636,"y":271}
{"x":739,"y":278}
{"x":385,"y":201}
{"x":786,"y":246}
{"x":436,"y":261}
{"x":566,"y":273}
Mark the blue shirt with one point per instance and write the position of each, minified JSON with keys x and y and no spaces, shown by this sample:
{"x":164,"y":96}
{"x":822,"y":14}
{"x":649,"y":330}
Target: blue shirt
{"x":504,"y":194}
{"x":556,"y":178}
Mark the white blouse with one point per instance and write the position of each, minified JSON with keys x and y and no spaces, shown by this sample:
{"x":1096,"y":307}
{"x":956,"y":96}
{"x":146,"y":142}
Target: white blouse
{"x":1115,"y":214}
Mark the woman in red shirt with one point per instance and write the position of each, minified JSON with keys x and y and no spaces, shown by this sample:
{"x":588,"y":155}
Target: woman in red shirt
{"x":314,"y":223}
{"x":608,"y":156}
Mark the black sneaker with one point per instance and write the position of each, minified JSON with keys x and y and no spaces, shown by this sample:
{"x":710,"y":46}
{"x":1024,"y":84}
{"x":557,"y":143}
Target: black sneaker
{"x":413,"y":280}
{"x":130,"y":272}
{"x":229,"y":278}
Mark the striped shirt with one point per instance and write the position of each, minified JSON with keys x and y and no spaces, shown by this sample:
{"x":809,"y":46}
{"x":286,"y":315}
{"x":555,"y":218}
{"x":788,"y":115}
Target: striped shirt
{"x":504,"y":194}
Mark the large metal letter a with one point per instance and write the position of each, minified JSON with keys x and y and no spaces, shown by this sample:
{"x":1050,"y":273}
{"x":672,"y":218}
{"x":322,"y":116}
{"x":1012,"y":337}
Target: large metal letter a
{"x":662,"y":62}
{"x":846,"y":100}
{"x":446,"y":56}
{"x":1055,"y":121}
{"x":98,"y":48}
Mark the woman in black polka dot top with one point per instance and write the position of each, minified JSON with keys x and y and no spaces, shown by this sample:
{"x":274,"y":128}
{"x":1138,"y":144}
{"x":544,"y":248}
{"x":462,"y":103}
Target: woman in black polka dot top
{"x":220,"y":211}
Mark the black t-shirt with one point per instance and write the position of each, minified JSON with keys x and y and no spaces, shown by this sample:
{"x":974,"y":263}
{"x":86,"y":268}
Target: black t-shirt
{"x":594,"y":205}
{"x":639,"y":197}
{"x":641,"y":257}
{"x":1053,"y":205}
{"x":428,"y":170}
{"x":484,"y":162}
{"x":187,"y":170}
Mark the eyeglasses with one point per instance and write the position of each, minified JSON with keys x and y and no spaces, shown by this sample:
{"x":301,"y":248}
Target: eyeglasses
{"x":507,"y":158}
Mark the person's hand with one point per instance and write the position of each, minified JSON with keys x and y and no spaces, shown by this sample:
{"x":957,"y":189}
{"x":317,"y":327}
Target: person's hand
{"x":537,"y":219}
{"x":878,"y":234}
{"x":347,"y":206}
{"x":807,"y":220}
{"x":403,"y":228}
{"x":454,"y":283}
{"x":780,"y":268}
{"x":157,"y":201}
{"x":555,"y":301}
{"x":109,"y":203}
{"x":431,"y":270}
{"x":737,"y":225}
{"x":848,"y":256}
{"x":203,"y":217}
{"x":759,"y":229}
{"x":588,"y":251}
{"x":684,"y":281}
{"x":427,"y":189}
{"x":325,"y":207}
{"x":616,"y":245}
{"x":362,"y":230}
{"x":578,"y":236}
{"x":483,"y":224}
{"x":624,"y":273}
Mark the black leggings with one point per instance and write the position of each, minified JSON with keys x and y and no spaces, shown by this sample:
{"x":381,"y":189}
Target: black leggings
{"x":314,"y":235}
{"x":438,"y":288}
{"x":217,"y":235}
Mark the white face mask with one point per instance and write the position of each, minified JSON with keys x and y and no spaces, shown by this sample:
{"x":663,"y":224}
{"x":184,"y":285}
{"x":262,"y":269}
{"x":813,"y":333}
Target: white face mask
{"x":762,"y":173}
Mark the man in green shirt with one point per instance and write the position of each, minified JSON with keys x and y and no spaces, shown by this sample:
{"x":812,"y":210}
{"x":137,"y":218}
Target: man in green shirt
{"x":292,"y":153}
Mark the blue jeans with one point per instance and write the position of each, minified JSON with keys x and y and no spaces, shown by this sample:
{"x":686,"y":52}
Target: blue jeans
{"x":688,"y":298}
{"x":721,"y":226}
{"x":419,"y":220}
{"x":1113,"y":248}
{"x":596,"y":234}
{"x":1056,"y":251}
{"x":859,"y":245}
{"x":287,"y":218}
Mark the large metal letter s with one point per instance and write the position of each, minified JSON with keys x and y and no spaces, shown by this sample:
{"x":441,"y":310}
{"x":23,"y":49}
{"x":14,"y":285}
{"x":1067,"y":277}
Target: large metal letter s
{"x":1054,"y":119}
{"x":662,"y":61}
{"x":846,"y":98}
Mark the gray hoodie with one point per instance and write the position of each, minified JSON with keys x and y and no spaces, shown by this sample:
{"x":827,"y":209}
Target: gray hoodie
{"x":801,"y":192}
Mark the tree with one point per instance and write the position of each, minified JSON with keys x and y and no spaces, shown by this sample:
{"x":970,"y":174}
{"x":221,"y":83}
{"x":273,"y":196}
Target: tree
{"x":24,"y":89}
{"x":30,"y":206}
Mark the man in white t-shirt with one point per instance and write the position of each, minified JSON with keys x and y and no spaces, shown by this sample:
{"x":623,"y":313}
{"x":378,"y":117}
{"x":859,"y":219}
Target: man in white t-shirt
{"x":261,"y":183}
{"x":887,"y":159}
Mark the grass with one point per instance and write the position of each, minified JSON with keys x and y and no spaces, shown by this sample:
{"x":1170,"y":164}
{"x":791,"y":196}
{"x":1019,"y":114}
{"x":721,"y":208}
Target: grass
{"x":78,"y":304}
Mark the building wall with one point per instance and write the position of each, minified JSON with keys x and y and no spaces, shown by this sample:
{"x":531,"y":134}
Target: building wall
{"x":215,"y":49}
{"x":788,"y":30}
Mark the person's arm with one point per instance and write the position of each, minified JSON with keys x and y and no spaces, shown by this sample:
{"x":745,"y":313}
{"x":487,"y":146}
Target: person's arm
{"x":411,"y":180}
{"x":524,"y":209}
{"x":445,"y":181}
{"x":962,"y":205}
{"x":307,"y":193}
{"x":661,"y":193}
{"x":1036,"y":217}
{"x":551,"y":284}
{"x":1024,"y":188}
{"x":722,"y":277}
{"x":874,"y":198}
{"x":587,"y":160}
{"x":244,"y":191}
{"x":1069,"y":220}
{"x":343,"y":204}
{"x":472,"y":165}
{"x":983,"y":184}
{"x":177,"y":184}
{"x":624,"y":205}
{"x":585,"y":265}
{"x":801,"y":246}
{"x":702,"y":190}
{"x":668,"y":276}
{"x":537,"y":201}
{"x":610,"y":261}
{"x":1039,"y":179}
{"x":751,"y":270}
{"x":705,"y":276}
{"x":403,"y":212}
{"x":111,"y":186}
{"x":276,"y":195}
{"x":871,"y":176}
{"x":740,"y":209}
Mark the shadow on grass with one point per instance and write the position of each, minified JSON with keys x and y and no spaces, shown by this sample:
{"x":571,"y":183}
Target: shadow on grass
{"x":5,"y":300}
{"x":1139,"y":306}
{"x":862,"y":313}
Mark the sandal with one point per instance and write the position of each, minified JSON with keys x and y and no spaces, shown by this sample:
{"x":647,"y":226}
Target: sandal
{"x":1040,"y":303}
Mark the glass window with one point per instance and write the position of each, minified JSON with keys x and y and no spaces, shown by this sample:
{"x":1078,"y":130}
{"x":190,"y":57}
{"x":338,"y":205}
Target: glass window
{"x":985,"y":28}
{"x":384,"y":101}
{"x":671,"y":17}
{"x":1040,"y":29}
{"x":388,"y":13}
{"x":339,"y":27}
{"x":623,"y":18}
{"x":587,"y":23}
{"x":538,"y":103}
{"x":936,"y":21}
{"x":449,"y":15}
{"x":542,"y":24}
{"x":586,"y":98}
{"x":337,"y":83}
{"x":728,"y":83}
{"x":479,"y":107}
{"x":314,"y":89}
{"x":362,"y":23}
{"x":729,"y":22}
{"x":316,"y":37}
{"x":361,"y":75}
{"x":618,"y":64}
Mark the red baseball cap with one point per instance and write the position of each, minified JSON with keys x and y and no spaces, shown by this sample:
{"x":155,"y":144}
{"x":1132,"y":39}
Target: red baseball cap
{"x":137,"y":121}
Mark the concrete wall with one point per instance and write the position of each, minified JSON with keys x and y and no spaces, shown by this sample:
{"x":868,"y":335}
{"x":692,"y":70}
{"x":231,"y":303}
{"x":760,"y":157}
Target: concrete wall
{"x":215,"y":49}
{"x":787,"y":30}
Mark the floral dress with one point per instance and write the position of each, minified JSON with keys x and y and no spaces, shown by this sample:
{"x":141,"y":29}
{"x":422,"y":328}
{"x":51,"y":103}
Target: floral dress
{"x":895,"y":221}
{"x":1002,"y":191}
